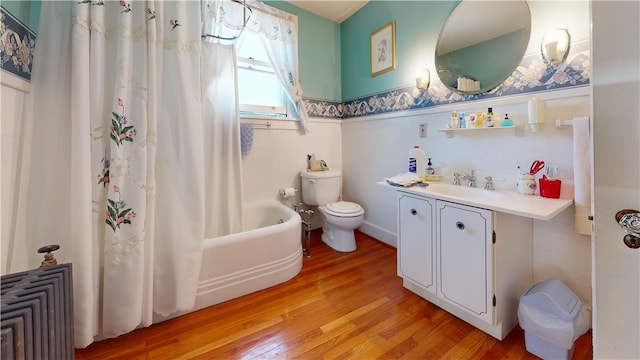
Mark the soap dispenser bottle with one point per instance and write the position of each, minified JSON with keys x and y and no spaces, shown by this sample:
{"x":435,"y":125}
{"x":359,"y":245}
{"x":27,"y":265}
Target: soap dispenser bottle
{"x":430,"y":169}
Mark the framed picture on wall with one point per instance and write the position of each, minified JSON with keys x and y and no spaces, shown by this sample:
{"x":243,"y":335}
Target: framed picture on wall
{"x":383,"y":49}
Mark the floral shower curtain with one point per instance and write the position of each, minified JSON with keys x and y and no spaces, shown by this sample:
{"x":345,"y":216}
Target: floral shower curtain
{"x":115,"y":159}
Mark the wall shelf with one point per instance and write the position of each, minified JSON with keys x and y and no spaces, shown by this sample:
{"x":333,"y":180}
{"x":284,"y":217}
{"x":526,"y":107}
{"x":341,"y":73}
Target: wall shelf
{"x":452,"y":131}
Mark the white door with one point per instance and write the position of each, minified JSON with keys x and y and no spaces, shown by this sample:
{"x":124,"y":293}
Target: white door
{"x":616,"y":132}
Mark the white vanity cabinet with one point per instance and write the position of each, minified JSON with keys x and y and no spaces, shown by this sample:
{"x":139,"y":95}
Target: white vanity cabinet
{"x":473,"y":262}
{"x":416,"y":240}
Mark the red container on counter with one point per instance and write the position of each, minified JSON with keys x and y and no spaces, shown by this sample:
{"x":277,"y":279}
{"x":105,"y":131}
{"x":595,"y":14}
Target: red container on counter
{"x":549,"y":188}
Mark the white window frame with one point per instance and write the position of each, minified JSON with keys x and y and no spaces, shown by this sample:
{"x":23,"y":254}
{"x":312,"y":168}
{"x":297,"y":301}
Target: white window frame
{"x":253,"y":111}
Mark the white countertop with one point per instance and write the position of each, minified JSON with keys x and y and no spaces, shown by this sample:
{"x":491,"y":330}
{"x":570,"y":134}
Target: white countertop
{"x":511,"y":202}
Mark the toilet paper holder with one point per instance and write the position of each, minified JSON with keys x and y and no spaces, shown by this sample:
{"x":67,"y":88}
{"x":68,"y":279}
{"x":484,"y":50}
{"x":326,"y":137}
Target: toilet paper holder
{"x":288,"y":192}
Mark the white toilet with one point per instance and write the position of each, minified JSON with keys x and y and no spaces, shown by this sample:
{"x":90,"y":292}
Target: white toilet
{"x":322,"y":188}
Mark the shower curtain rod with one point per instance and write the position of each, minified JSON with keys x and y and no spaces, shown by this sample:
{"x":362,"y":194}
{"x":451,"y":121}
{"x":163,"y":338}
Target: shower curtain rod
{"x":275,"y":12}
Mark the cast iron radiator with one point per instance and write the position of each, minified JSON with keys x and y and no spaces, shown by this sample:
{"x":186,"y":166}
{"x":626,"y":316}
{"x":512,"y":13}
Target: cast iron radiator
{"x":37,"y":314}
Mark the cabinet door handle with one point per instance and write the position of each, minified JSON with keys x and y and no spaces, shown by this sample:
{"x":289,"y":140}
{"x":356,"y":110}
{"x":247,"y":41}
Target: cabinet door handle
{"x":460,"y":225}
{"x":414,"y":212}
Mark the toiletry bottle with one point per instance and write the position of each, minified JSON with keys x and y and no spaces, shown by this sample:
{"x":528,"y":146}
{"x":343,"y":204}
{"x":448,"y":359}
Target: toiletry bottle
{"x":416,"y":161}
{"x":506,"y":121}
{"x":454,"y":120}
{"x":490,"y":117}
{"x":462,"y":119}
{"x":430,"y":169}
{"x":480,"y":119}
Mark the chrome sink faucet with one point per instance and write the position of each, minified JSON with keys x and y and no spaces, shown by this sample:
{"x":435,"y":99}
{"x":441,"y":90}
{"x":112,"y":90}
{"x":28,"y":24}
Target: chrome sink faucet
{"x":471,"y":179}
{"x":488,"y":185}
{"x":456,"y":178}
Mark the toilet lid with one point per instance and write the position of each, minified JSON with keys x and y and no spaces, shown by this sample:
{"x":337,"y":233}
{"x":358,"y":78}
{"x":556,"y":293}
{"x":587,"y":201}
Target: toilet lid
{"x":344,"y":208}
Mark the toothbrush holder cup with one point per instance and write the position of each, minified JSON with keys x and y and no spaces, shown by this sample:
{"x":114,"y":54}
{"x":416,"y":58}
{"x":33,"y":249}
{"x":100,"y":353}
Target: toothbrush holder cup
{"x":526,"y":184}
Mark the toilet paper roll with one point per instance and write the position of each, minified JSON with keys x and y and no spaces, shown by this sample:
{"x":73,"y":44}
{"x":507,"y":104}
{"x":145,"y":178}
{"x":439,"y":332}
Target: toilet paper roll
{"x":288,"y":192}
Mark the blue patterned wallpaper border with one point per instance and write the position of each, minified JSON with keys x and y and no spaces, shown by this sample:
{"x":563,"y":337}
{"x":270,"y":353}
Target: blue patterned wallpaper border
{"x":532,"y":75}
{"x":324,"y":108}
{"x":17,"y":44}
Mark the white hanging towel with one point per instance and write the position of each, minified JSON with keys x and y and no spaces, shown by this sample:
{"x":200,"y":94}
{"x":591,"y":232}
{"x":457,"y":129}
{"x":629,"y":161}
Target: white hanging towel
{"x":582,"y":175}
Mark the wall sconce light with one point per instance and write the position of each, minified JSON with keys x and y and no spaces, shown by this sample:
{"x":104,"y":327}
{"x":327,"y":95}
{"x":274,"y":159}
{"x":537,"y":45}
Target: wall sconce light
{"x":555,"y":46}
{"x":423,"y":79}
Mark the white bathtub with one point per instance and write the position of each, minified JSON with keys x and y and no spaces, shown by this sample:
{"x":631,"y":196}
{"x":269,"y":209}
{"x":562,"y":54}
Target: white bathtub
{"x":268,"y":252}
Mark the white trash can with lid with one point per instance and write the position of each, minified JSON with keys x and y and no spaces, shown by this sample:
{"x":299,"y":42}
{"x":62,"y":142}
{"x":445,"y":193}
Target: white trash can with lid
{"x":552,"y":317}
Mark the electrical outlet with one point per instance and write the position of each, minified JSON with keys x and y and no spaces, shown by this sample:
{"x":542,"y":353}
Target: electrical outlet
{"x":423,"y":130}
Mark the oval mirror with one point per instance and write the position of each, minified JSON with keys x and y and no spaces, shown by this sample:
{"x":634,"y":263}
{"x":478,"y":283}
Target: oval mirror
{"x":481,"y":43}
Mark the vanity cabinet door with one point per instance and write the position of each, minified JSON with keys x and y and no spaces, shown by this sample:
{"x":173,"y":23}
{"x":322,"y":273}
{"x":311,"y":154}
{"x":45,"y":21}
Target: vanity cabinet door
{"x":465,"y":261}
{"x":416,"y":247}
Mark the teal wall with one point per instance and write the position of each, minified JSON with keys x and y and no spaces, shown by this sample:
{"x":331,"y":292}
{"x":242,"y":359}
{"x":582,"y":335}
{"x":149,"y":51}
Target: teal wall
{"x":318,"y":53}
{"x":418,"y":25}
{"x":28,"y":12}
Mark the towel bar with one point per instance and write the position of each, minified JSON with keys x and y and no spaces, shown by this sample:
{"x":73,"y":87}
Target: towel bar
{"x":563,"y":124}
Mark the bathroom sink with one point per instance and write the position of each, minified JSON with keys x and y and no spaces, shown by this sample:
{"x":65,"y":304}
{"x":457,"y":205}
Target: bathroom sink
{"x":462,"y":191}
{"x":502,"y":200}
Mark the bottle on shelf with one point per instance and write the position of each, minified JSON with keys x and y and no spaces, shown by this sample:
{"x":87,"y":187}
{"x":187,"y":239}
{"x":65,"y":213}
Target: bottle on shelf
{"x":490,"y":117}
{"x":506,"y":121}
{"x":480,"y":119}
{"x":472,"y":123}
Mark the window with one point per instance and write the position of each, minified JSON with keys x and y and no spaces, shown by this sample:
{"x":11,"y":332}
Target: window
{"x":260,"y":93}
{"x":263,"y":89}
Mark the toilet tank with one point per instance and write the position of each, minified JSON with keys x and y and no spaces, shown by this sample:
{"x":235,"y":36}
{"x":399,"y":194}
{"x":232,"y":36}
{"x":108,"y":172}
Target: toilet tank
{"x":320,"y":187}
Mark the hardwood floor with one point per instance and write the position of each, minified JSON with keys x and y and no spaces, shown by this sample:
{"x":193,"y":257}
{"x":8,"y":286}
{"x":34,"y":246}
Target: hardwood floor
{"x":341,"y":306}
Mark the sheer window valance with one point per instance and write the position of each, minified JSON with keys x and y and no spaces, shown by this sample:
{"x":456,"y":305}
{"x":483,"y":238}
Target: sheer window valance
{"x":227,"y":19}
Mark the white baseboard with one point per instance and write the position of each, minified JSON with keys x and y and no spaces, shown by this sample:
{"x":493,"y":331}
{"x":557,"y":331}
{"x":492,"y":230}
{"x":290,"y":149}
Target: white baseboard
{"x":379,"y":233}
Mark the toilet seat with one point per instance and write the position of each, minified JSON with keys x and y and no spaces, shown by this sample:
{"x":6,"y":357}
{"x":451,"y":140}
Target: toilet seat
{"x":344,"y":209}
